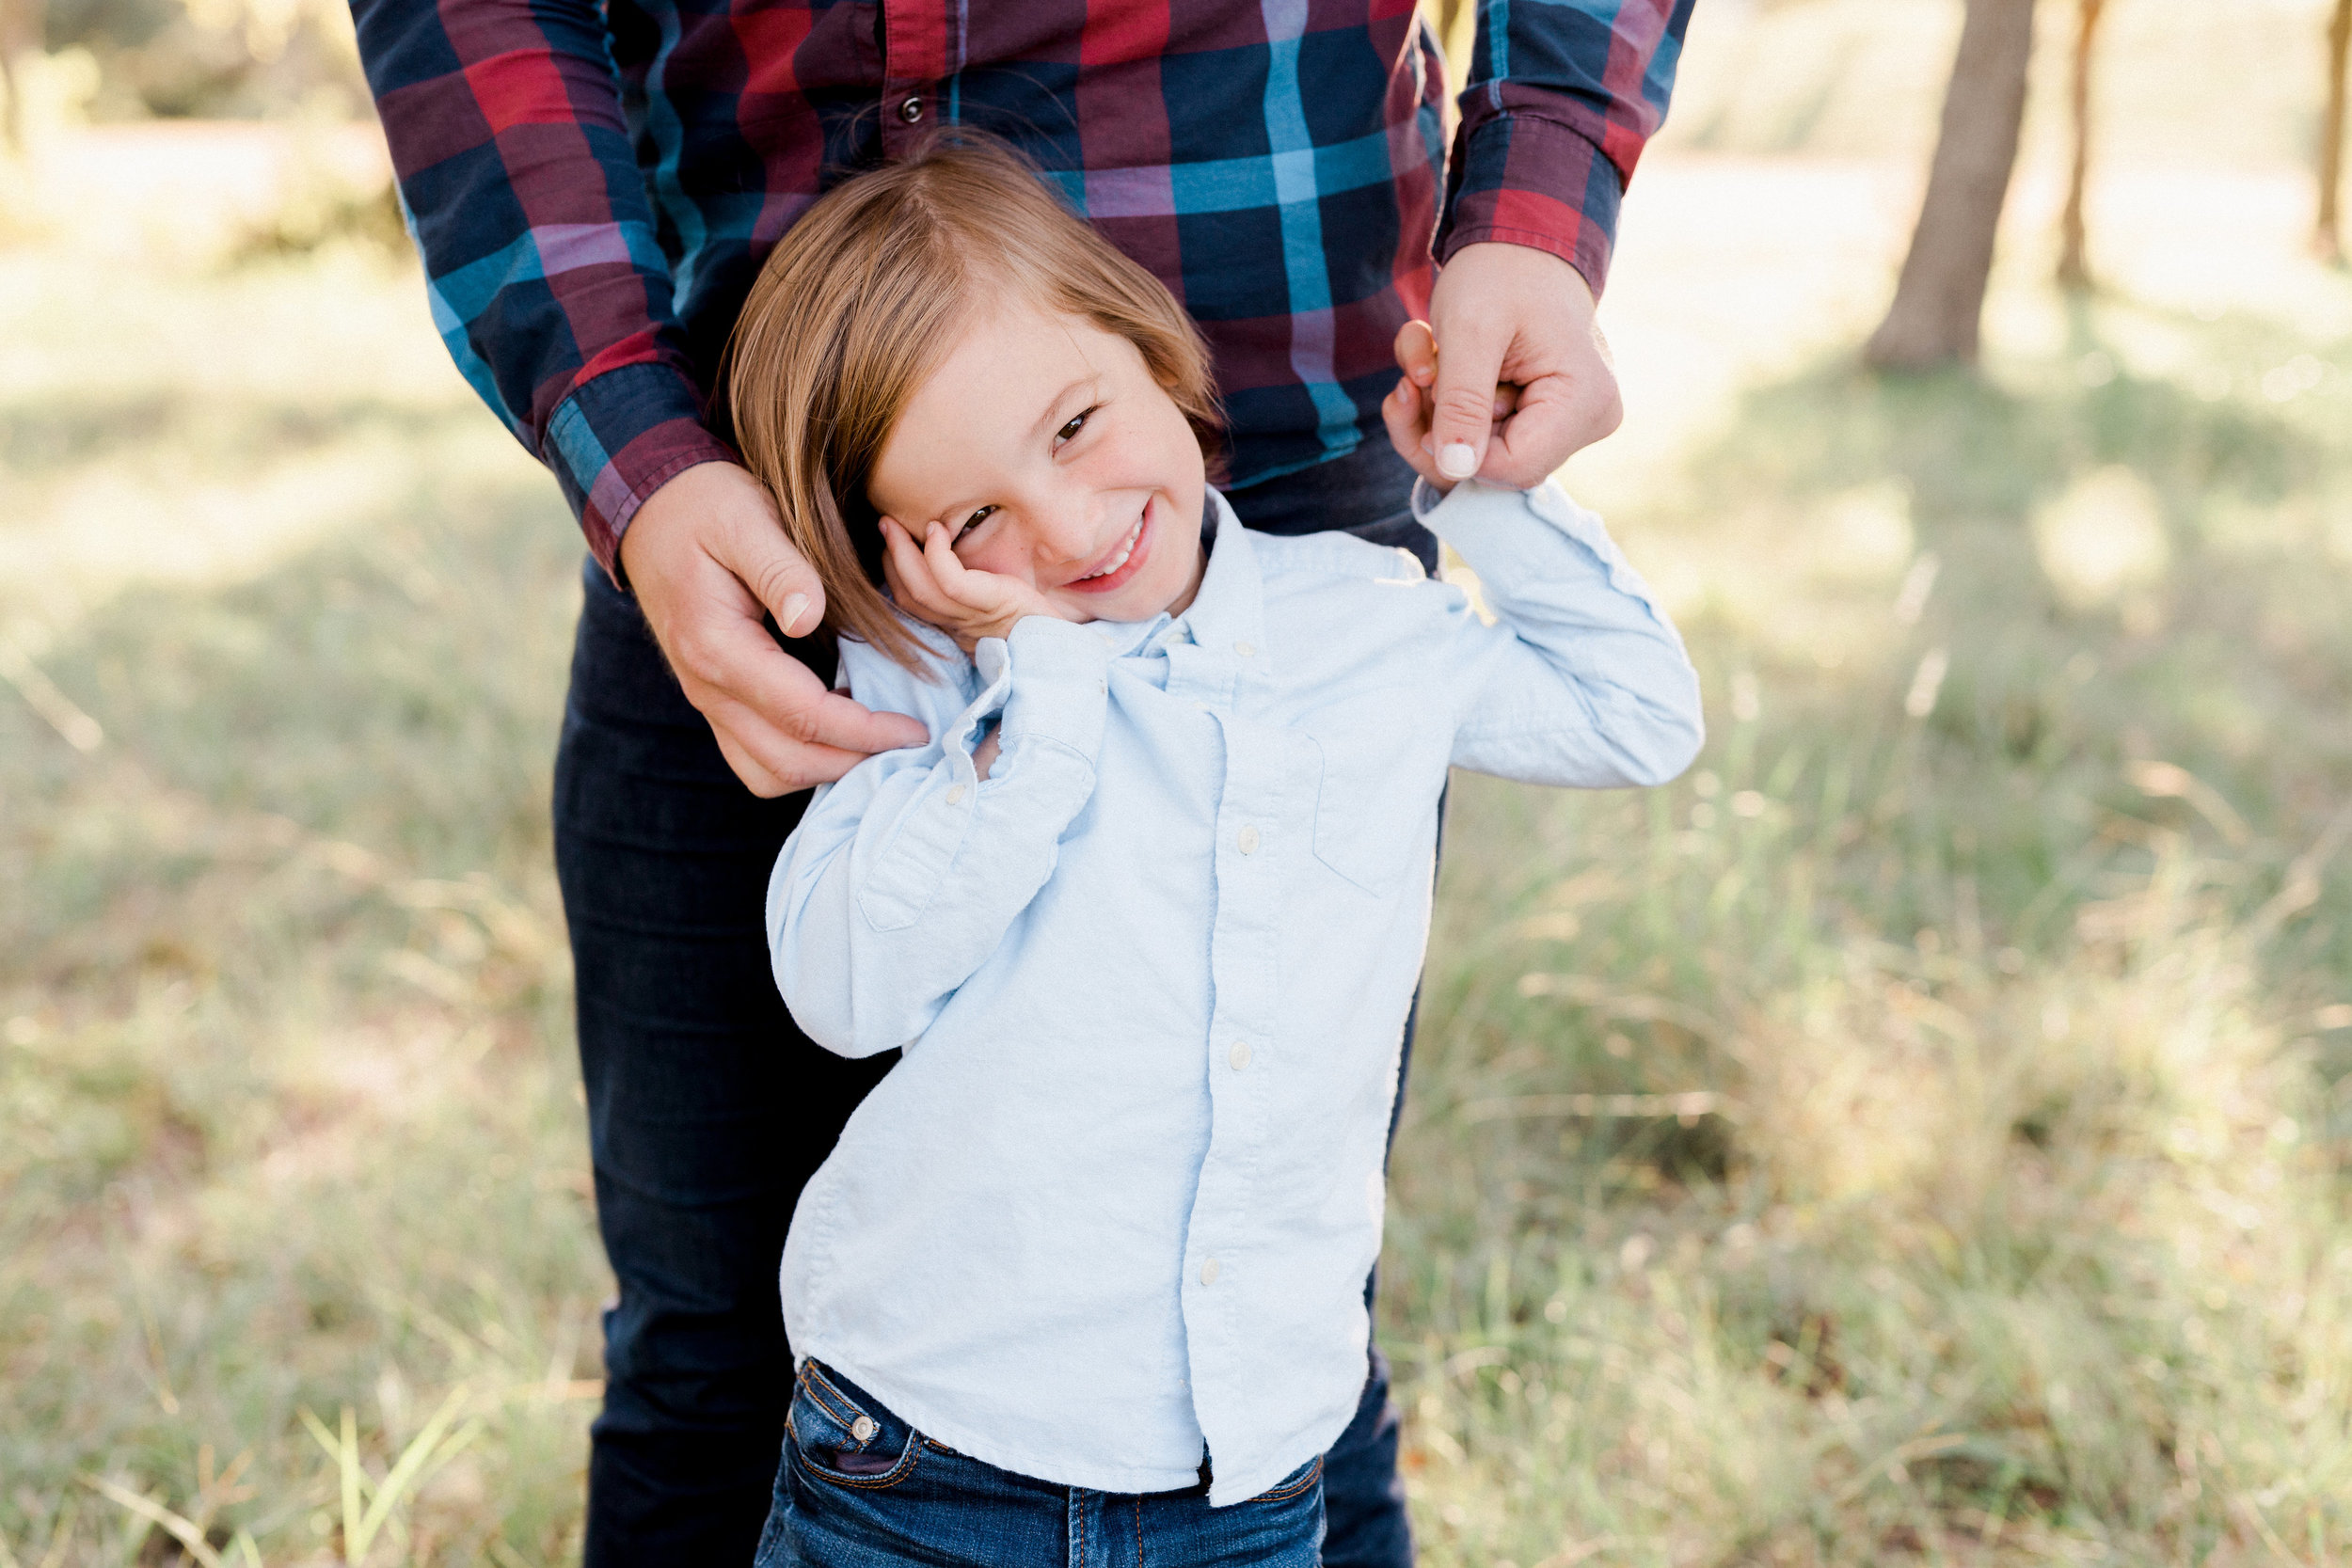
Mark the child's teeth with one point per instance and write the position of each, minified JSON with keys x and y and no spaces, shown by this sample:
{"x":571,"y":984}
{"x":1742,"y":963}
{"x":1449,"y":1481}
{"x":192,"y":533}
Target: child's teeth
{"x":1125,"y":550}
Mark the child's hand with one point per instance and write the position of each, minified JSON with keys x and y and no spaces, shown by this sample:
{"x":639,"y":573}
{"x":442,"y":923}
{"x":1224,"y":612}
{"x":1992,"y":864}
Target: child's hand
{"x":1408,"y":407}
{"x":930,"y":584}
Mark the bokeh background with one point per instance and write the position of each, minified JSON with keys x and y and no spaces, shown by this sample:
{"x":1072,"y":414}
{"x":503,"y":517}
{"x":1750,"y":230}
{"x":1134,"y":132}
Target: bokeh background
{"x":1916,"y":1135}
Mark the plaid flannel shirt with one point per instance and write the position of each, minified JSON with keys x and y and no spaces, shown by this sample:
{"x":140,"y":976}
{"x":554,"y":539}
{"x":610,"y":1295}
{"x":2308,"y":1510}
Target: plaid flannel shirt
{"x":594,"y":185}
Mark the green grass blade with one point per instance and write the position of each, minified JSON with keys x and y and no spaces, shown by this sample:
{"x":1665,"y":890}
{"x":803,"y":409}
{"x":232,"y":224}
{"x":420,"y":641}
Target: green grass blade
{"x":412,"y":1466}
{"x":347,"y":1460}
{"x":154,"y":1513}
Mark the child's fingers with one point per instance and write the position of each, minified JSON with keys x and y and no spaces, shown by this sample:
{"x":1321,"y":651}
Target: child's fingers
{"x":1417,"y":352}
{"x":1405,"y":412}
{"x":967,"y":588}
{"x":909,"y":574}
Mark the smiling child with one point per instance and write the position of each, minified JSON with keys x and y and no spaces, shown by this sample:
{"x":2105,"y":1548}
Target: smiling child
{"x":1085,"y":1274}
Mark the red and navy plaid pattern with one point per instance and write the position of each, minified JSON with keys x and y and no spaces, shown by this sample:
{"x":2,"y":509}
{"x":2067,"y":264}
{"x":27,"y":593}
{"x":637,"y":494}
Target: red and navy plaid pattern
{"x":594,"y":187}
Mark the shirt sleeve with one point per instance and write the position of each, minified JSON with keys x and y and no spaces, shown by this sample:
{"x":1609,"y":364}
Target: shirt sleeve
{"x":904,"y":878}
{"x":1561,"y":96}
{"x":1580,"y":680}
{"x":546,"y":281}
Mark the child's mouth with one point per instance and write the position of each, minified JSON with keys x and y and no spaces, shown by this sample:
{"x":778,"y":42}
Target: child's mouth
{"x":1123,"y":561}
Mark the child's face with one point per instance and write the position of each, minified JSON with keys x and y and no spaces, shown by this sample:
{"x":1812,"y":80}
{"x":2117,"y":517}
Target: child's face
{"x":1045,"y":449}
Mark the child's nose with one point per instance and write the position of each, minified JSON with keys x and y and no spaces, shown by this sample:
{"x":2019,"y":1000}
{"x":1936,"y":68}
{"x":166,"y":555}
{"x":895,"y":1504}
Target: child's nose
{"x":1066,"y":535}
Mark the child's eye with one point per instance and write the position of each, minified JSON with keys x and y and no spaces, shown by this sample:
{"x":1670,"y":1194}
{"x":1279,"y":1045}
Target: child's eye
{"x":1077,"y":424}
{"x":970,"y":523}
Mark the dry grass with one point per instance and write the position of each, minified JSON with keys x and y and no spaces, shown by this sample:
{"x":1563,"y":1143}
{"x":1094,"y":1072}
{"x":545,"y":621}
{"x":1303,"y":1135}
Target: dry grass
{"x":1914,"y":1136}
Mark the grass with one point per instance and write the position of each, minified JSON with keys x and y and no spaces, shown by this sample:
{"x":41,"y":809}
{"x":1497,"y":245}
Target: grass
{"x":2002,"y":939}
{"x":1918,"y":1136}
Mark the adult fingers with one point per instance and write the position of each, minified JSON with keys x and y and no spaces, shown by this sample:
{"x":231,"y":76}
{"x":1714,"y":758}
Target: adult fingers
{"x":747,"y":668}
{"x":749,"y":541}
{"x":1555,"y":417}
{"x":1462,"y":397}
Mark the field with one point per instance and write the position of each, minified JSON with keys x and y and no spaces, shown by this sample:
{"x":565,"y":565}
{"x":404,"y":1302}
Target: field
{"x":1916,"y":1135}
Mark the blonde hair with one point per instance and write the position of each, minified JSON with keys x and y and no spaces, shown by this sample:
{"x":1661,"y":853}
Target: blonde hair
{"x":861,"y":300}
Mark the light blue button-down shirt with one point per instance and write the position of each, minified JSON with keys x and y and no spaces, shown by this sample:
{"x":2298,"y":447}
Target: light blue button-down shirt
{"x":1120,"y":1196}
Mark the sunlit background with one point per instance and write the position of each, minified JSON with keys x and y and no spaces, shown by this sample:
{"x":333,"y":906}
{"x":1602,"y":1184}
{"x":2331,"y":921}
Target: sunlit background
{"x":1914,"y":1136}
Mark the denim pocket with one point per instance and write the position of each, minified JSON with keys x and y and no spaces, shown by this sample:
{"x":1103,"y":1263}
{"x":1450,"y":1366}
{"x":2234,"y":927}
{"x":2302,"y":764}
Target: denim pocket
{"x":845,"y":1440}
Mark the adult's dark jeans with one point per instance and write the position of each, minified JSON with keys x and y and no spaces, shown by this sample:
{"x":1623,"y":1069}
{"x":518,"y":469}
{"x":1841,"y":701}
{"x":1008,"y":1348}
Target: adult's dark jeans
{"x":708,"y":1109}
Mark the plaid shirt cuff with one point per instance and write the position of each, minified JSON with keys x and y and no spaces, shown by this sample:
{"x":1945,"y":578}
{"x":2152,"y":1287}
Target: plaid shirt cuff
{"x":1528,"y":181}
{"x":616,"y":439}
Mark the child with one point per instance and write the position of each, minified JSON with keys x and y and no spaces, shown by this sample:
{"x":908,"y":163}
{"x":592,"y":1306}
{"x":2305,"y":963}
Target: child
{"x":1085,"y":1274}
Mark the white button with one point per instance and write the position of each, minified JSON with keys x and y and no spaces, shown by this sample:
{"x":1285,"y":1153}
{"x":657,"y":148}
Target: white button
{"x":1239,"y":1056}
{"x":863,"y":1429}
{"x":955,"y":794}
{"x":1248,"y":840}
{"x":1208,"y":1271}
{"x":1247,"y":650}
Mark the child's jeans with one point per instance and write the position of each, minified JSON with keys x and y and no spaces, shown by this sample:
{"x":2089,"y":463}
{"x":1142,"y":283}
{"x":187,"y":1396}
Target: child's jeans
{"x":859,"y":1488}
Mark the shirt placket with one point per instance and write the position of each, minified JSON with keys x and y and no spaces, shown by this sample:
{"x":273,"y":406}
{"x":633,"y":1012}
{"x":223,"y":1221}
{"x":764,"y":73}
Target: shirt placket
{"x":920,"y":46}
{"x":1254,"y":843}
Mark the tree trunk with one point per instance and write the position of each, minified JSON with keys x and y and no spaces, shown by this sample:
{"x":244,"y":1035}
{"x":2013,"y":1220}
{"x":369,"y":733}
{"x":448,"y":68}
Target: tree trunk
{"x":21,"y":25}
{"x":12,"y":97}
{"x":2073,"y":268}
{"x":1940,"y":297}
{"x":2328,"y":239}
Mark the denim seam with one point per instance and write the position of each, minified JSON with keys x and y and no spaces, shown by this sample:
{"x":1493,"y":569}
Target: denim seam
{"x":820,"y":1386}
{"x":1314,"y":1473}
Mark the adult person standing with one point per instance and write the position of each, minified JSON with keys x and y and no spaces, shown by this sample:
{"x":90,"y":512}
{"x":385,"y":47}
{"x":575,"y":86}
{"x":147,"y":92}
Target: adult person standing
{"x":594,"y":185}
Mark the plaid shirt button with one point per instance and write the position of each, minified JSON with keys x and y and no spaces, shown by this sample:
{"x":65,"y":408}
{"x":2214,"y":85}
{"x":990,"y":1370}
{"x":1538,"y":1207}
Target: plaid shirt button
{"x":911,"y":111}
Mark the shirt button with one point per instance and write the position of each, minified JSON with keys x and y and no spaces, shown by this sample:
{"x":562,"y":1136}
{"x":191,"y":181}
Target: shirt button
{"x":1247,"y":650}
{"x":1248,"y":841}
{"x":955,"y":794}
{"x":1208,"y":1271}
{"x":911,"y":111}
{"x":863,"y":1429}
{"x":1239,"y":1056}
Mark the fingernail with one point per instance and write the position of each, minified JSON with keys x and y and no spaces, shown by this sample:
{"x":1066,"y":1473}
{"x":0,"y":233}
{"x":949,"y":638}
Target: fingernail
{"x":1457,"y":461}
{"x":795,"y":606}
{"x":1423,"y":376}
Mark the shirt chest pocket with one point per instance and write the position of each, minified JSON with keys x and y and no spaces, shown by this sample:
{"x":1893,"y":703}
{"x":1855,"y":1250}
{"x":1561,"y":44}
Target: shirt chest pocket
{"x":1379,"y":766}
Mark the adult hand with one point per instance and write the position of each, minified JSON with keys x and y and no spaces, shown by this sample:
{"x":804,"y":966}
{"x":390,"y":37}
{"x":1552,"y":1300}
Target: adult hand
{"x":1525,"y":379}
{"x":707,"y":559}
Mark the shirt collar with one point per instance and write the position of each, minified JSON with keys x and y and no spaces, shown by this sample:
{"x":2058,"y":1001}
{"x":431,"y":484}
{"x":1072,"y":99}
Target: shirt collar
{"x":1228,"y":615}
{"x":1225,"y":616}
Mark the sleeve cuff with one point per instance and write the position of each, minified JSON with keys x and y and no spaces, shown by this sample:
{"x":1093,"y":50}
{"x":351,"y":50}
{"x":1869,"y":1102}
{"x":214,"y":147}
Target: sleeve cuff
{"x":1523,"y":180}
{"x":619,"y":437}
{"x":1509,"y":536}
{"x":1060,"y":682}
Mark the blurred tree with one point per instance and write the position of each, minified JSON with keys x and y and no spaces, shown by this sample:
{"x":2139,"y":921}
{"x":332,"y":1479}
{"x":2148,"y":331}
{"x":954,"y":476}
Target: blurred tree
{"x":19,"y":33}
{"x":2328,"y":239}
{"x":1939,"y":299}
{"x":2073,"y":268}
{"x":1456,"y":23}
